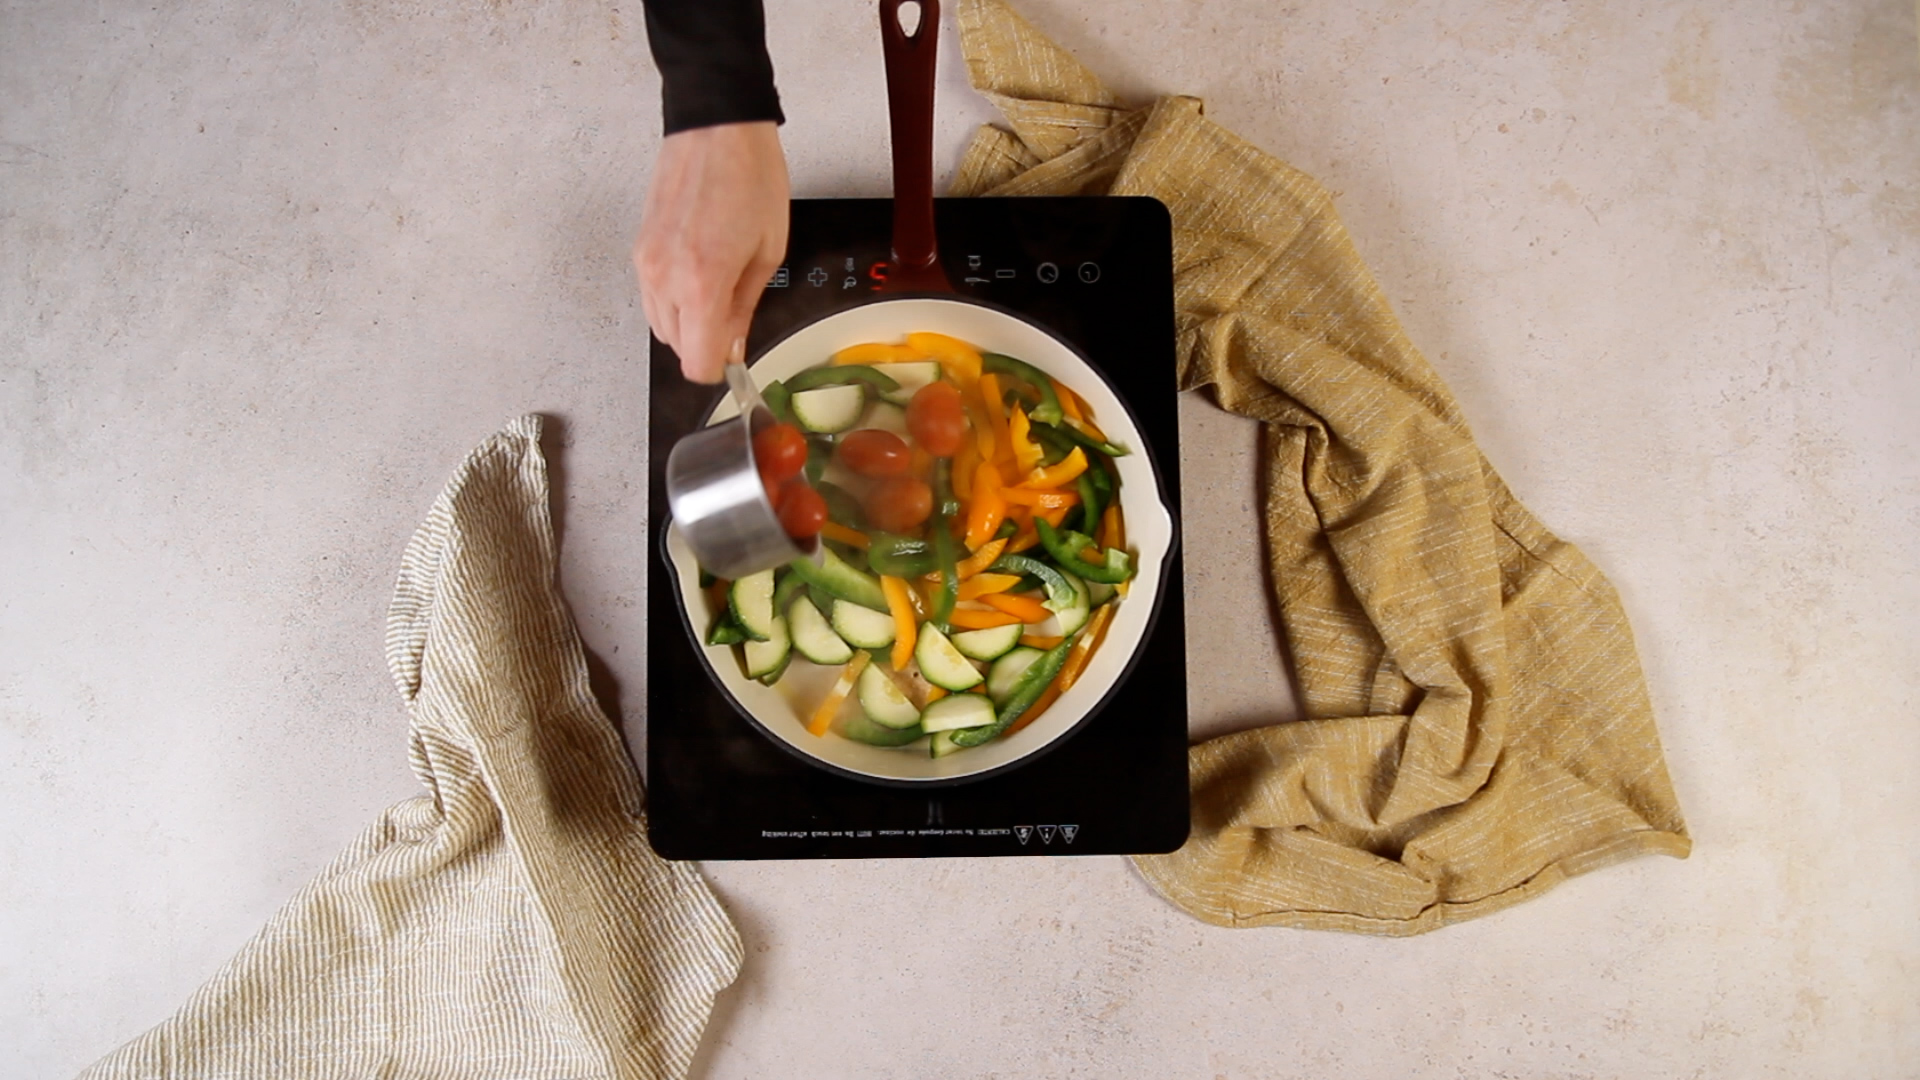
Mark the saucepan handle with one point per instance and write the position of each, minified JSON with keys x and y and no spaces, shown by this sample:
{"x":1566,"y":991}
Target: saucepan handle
{"x":910,"y":67}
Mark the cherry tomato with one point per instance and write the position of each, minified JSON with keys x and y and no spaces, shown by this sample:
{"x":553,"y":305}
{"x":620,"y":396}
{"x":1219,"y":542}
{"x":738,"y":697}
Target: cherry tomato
{"x":802,"y":510}
{"x":937,"y":419}
{"x":775,"y":489}
{"x":871,"y":452}
{"x":899,"y":504}
{"x":779,"y":451}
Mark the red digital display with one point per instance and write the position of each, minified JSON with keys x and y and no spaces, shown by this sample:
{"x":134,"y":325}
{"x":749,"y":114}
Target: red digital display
{"x":878,"y":273}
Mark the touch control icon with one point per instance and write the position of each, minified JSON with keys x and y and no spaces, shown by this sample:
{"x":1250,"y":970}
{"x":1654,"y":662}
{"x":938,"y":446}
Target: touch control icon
{"x":816,"y":277}
{"x":1089,"y":272}
{"x":1047,"y":273}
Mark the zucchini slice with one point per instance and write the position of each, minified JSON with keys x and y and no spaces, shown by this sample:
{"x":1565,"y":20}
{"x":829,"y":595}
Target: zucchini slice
{"x":813,"y":637}
{"x":767,"y":660}
{"x":911,"y":375}
{"x":884,"y":415}
{"x":751,"y":601}
{"x":941,"y":663}
{"x":830,"y":410}
{"x":1007,"y":670}
{"x":988,"y":644}
{"x":860,"y":729}
{"x":882,"y":701}
{"x":1074,"y":614}
{"x":957,"y":711}
{"x":841,"y":580}
{"x":862,"y":627}
{"x":942,"y":744}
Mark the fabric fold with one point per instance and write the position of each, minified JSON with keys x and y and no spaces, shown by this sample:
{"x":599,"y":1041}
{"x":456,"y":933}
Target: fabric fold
{"x":511,"y":922}
{"x":1478,"y":726}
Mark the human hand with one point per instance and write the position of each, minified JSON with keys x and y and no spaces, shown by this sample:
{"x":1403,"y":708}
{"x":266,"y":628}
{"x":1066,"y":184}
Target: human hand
{"x":714,"y":230}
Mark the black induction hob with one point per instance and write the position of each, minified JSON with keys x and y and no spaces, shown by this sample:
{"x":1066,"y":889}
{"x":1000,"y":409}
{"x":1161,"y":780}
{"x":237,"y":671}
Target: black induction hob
{"x":1096,"y":271}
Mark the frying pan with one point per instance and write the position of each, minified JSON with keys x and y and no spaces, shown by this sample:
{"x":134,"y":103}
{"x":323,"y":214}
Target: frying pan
{"x":917,"y":296}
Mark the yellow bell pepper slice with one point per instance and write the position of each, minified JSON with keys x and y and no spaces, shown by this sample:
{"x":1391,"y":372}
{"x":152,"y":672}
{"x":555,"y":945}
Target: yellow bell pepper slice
{"x":1026,"y":452}
{"x":961,"y":360}
{"x":823,"y":716}
{"x":905,"y":626}
{"x":1066,"y":470}
{"x":980,"y":585}
{"x":987,"y":509}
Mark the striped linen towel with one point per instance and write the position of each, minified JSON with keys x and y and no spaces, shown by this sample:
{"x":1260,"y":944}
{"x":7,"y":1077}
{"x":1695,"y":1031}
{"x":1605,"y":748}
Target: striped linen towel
{"x":1478,"y":728}
{"x":513,"y":921}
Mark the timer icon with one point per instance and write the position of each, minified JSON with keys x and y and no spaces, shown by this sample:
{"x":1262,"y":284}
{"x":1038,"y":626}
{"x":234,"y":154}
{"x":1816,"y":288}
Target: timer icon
{"x":1047,"y":273}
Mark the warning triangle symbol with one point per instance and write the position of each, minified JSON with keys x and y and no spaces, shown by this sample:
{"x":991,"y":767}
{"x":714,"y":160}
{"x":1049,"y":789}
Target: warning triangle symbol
{"x":1046,"y":834}
{"x":1024,"y":832}
{"x":1069,"y":832}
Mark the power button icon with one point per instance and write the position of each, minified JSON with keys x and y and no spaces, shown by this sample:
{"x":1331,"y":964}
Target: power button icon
{"x":1089,"y":272}
{"x":1047,"y":273}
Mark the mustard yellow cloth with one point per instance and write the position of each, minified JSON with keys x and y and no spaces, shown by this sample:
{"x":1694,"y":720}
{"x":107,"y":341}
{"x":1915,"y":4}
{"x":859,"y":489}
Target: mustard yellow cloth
{"x":513,"y":922}
{"x":1477,"y":727}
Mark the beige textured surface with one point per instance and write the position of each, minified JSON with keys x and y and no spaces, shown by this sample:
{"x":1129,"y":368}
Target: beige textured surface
{"x":512,"y":921}
{"x":1663,"y":254}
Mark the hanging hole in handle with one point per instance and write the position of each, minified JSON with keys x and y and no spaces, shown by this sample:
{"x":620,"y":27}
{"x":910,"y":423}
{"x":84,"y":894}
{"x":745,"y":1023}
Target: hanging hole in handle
{"x":908,"y":16}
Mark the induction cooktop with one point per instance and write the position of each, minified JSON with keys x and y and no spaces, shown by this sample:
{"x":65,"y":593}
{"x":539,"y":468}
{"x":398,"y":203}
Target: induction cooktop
{"x":1097,"y":271}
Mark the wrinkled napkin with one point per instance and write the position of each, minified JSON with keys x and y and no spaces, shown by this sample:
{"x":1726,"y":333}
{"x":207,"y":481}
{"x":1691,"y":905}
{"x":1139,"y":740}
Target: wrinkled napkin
{"x":513,"y":921}
{"x":1478,"y":727}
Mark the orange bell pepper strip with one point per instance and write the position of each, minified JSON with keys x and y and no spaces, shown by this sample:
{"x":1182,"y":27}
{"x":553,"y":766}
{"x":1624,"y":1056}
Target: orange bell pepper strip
{"x":1026,"y":452}
{"x":823,"y":716}
{"x":1051,"y":499}
{"x":1047,"y":697}
{"x":874,"y":352}
{"x":983,"y":437}
{"x":1069,"y":401}
{"x":980,"y":585}
{"x":1066,"y":470}
{"x":987,"y":509}
{"x":980,"y":560}
{"x":905,"y":626}
{"x":934,"y":693}
{"x":833,"y":530}
{"x":1113,"y":533}
{"x":975,"y":619}
{"x":1040,"y":641}
{"x":990,"y":404}
{"x":1083,"y":648}
{"x":960,"y":359}
{"x":1054,"y":516}
{"x":1025,"y":608}
{"x":965,"y":464}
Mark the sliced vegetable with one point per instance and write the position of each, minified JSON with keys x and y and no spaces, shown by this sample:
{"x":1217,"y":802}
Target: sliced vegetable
{"x":862,"y":627}
{"x":958,"y":711}
{"x":829,"y":409}
{"x":1066,"y":546}
{"x":1026,"y":609}
{"x":751,"y":602}
{"x":1025,"y":692}
{"x":842,"y":507}
{"x":961,"y":360}
{"x":911,"y":376}
{"x":788,"y":586}
{"x":1007,"y":670}
{"x":989,"y":644}
{"x":1048,"y":411}
{"x":980,"y":560}
{"x":944,"y":561}
{"x":833,"y":530}
{"x":976,"y":619}
{"x":862,"y":730}
{"x":1053,"y":476}
{"x":1101,"y":445}
{"x":1083,"y":648}
{"x":767,"y":660}
{"x":813,"y":636}
{"x":899,"y":556}
{"x":882,"y":701}
{"x":874,"y":352}
{"x":1064,"y":593}
{"x":840,"y":580}
{"x":725,"y":631}
{"x":979,"y":585}
{"x":841,"y":375}
{"x":779,"y":401}
{"x":941,"y":663}
{"x":987,"y":510}
{"x":823,"y":716}
{"x":942,"y":744}
{"x":1026,"y":452}
{"x":905,"y":626}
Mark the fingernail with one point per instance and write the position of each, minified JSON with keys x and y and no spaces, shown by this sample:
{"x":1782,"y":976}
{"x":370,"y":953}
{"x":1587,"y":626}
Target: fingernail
{"x":738,"y":353}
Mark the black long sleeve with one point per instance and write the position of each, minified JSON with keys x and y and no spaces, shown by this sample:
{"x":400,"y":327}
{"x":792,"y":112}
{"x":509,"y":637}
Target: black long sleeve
{"x":713,"y":61}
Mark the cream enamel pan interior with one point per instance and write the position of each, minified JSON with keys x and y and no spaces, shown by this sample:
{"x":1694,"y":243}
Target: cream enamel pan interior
{"x":781,"y":710}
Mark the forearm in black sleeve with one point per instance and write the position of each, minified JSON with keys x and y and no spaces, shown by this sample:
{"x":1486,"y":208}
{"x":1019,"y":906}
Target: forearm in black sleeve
{"x":713,"y":62}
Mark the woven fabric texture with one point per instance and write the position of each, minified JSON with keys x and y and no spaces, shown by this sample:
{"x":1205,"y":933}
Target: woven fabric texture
{"x":1477,"y":726}
{"x":513,"y":921}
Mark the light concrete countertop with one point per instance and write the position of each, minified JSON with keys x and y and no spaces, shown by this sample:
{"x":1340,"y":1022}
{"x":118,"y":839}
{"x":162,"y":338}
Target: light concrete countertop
{"x":271,"y":269}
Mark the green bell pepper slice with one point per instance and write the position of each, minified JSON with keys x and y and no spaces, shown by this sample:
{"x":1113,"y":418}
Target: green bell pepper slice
{"x":840,"y":375}
{"x":1048,"y":411}
{"x":1026,"y":690}
{"x":1065,"y":547}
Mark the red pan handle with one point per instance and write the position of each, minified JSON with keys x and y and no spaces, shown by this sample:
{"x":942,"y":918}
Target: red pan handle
{"x":910,"y":65}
